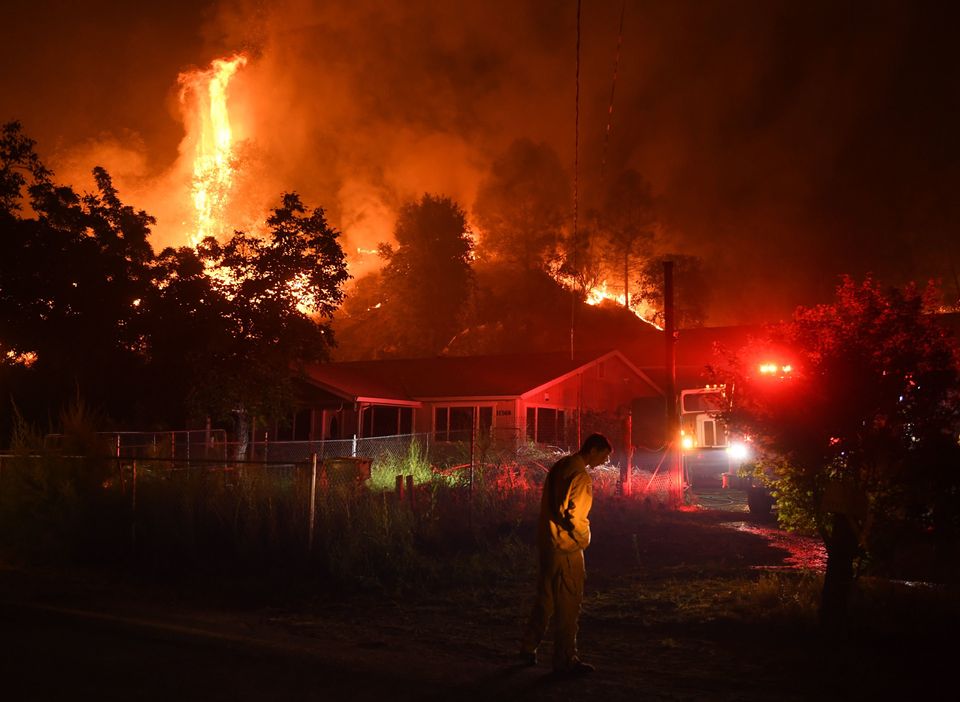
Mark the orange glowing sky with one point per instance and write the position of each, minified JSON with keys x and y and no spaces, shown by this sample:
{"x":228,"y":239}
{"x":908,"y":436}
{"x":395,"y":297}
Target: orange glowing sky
{"x":786,"y":142}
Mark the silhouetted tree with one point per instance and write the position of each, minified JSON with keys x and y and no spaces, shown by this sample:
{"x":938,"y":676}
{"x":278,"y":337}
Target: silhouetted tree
{"x":583,"y":263}
{"x":859,"y":436}
{"x":279,"y":293}
{"x":185,"y":327}
{"x":360,"y":324}
{"x":522,"y":205}
{"x":18,"y":160}
{"x":627,"y":226}
{"x":427,"y":278}
{"x":72,"y":277}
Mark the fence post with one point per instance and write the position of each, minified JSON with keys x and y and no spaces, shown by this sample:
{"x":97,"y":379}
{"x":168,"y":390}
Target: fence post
{"x":313,"y":501}
{"x":123,"y":482}
{"x":133,"y":505}
{"x":410,"y":492}
{"x":353,"y":449}
{"x":473,"y":448}
{"x":400,"y":488}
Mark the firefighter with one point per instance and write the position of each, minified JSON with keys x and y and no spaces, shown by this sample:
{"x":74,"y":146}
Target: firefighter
{"x":563,"y":532}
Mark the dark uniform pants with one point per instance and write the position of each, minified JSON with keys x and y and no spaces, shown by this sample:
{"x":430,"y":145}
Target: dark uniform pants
{"x":559,"y":594}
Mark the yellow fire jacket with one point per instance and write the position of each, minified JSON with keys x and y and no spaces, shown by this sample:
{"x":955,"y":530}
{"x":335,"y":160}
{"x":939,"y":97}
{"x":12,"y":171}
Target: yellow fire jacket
{"x":564,"y":507}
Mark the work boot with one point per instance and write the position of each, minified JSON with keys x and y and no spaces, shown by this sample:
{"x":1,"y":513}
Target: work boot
{"x":575,"y":668}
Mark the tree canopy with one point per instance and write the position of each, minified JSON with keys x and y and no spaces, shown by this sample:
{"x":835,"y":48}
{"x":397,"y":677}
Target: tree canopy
{"x":277,"y":294}
{"x":151,"y":340}
{"x":856,"y":414}
{"x":521,"y":206}
{"x":627,"y":226}
{"x":428,"y":277}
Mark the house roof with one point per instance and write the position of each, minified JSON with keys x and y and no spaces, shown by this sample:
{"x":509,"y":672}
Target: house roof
{"x":413,"y":379}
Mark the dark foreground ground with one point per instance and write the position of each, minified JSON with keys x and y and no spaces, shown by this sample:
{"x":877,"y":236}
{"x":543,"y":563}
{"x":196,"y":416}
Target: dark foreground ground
{"x":705,"y":604}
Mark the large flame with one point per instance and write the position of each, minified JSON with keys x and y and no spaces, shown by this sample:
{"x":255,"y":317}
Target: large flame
{"x":598,"y":293}
{"x":213,"y":159}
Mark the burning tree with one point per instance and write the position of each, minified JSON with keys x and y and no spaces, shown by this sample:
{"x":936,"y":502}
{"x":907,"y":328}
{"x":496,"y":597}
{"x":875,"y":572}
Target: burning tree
{"x":213,"y":167}
{"x":859,"y":433}
{"x":627,"y":221}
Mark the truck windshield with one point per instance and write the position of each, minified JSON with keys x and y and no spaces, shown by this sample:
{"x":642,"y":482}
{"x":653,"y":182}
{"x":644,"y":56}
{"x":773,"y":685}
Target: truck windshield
{"x":703,"y":402}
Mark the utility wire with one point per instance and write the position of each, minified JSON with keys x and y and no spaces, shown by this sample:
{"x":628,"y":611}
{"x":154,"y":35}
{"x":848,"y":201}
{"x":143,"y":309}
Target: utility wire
{"x":613,"y":89}
{"x":576,"y":187}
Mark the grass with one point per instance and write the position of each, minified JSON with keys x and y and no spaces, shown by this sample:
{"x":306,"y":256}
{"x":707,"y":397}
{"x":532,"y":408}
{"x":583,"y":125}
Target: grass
{"x":254,"y":519}
{"x":388,"y":465}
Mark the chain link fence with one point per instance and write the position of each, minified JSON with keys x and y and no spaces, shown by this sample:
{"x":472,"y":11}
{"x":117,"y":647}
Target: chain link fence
{"x":372,"y":506}
{"x":463,"y":458}
{"x":657,"y":478}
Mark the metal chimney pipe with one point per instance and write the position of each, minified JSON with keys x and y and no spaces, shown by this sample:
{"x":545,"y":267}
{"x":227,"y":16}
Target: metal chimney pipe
{"x":670,"y":366}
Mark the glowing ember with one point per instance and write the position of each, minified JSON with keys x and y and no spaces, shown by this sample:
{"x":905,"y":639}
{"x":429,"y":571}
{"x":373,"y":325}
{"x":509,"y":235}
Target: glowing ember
{"x":25,"y":358}
{"x":212,"y":167}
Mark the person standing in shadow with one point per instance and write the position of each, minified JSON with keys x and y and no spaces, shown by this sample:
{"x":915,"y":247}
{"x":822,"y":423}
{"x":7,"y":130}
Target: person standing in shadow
{"x":563,"y":532}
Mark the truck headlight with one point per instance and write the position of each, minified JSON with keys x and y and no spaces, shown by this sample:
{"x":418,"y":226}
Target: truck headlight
{"x":738,"y":451}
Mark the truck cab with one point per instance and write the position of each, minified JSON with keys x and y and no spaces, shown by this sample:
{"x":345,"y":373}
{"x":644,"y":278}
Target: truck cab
{"x":709,"y":452}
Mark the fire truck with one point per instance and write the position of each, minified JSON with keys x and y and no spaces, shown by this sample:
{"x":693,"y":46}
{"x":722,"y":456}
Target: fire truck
{"x":711,"y":455}
{"x":709,"y":452}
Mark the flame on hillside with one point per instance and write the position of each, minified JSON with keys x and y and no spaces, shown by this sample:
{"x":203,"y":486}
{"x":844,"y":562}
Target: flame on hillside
{"x":600,"y":293}
{"x":203,"y":93}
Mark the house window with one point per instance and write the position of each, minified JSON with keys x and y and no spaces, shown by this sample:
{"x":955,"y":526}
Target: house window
{"x":461,"y":423}
{"x":485,"y":420}
{"x":441,"y":418}
{"x":387,"y":420}
{"x":546,"y":425}
{"x":406,"y":420}
{"x":457,"y":423}
{"x":301,"y":425}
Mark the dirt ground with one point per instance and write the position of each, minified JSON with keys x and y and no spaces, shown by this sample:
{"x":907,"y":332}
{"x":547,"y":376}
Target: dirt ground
{"x":702,"y":604}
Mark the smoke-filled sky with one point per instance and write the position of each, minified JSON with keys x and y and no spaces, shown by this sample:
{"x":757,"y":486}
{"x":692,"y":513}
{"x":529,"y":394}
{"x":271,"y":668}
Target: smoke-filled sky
{"x":787,"y":142}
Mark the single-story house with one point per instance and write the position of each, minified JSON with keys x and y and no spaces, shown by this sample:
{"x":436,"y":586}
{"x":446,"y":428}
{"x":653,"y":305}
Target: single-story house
{"x":539,"y":396}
